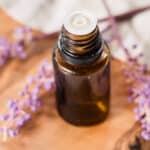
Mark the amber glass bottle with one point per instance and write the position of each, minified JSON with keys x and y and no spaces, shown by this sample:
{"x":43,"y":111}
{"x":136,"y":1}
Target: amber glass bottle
{"x":81,"y":62}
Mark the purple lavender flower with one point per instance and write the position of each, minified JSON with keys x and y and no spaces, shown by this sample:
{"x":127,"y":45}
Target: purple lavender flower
{"x":23,"y":35}
{"x":13,"y":132}
{"x":30,"y":80}
{"x":18,"y":50}
{"x":21,"y":38}
{"x":20,"y":122}
{"x":140,"y":94}
{"x":27,"y":116}
{"x":4,"y":117}
{"x":4,"y":50}
{"x":20,"y":110}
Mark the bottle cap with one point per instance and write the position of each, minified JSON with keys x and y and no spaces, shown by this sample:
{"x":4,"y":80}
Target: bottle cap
{"x":80,"y":23}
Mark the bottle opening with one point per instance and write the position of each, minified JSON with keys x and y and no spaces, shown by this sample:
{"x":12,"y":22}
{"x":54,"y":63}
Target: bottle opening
{"x":80,"y":23}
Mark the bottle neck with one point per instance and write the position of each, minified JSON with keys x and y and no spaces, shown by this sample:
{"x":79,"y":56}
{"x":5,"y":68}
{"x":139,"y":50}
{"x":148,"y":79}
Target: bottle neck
{"x":80,"y":50}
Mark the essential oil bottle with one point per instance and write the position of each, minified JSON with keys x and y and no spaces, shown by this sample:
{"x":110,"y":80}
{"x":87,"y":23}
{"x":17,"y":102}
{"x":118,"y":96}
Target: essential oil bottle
{"x":81,"y":61}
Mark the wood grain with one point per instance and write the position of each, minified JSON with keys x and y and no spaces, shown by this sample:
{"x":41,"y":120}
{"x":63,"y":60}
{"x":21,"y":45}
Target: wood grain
{"x":47,"y":130}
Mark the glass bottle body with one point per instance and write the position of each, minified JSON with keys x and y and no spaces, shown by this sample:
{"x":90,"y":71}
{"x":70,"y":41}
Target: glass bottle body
{"x":83,"y":91}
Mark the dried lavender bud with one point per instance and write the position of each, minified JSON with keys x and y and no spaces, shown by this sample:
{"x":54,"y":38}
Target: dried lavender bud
{"x":13,"y":132}
{"x":140,"y":92}
{"x":21,"y":38}
{"x":23,"y":35}
{"x":20,"y":110}
{"x":4,"y":117}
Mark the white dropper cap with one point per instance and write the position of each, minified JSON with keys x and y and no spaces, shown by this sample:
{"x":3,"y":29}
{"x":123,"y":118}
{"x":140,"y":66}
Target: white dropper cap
{"x":80,"y":23}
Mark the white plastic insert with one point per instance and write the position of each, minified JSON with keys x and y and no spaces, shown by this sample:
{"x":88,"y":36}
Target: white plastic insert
{"x":80,"y":23}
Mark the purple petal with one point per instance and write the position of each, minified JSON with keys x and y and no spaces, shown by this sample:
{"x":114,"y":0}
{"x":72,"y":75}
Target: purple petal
{"x":4,"y":117}
{"x":145,"y":135}
{"x":13,"y":132}
{"x":27,"y":117}
{"x":20,"y":122}
{"x":30,"y":80}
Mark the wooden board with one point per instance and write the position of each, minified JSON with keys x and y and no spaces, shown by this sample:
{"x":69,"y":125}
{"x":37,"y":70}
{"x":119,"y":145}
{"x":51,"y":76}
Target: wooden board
{"x":47,"y":130}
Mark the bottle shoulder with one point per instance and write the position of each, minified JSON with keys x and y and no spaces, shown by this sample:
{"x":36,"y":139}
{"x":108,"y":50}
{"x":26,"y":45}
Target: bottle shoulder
{"x":98,"y":65}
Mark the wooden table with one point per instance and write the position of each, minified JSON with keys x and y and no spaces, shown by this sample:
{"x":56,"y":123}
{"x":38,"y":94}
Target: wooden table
{"x":47,"y":130}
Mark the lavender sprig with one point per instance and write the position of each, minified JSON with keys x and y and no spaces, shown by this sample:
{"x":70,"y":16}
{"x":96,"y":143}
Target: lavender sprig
{"x":22,"y":36}
{"x":136,"y":74}
{"x":140,"y":94}
{"x":20,"y":110}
